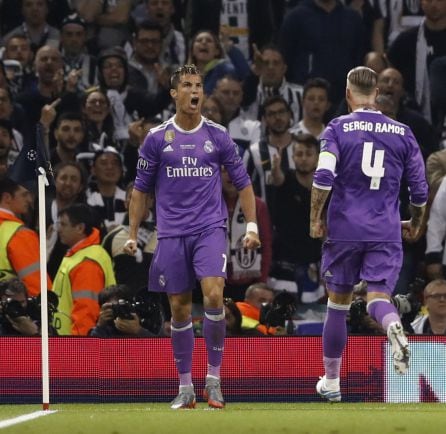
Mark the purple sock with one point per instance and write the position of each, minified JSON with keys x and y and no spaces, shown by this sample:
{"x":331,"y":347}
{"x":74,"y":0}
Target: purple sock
{"x":383,"y":312}
{"x":214,"y":331}
{"x":183,"y":344}
{"x":334,"y":338}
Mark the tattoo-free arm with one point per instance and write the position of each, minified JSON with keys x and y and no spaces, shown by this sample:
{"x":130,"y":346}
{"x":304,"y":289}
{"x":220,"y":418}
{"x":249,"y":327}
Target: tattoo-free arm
{"x":137,"y":209}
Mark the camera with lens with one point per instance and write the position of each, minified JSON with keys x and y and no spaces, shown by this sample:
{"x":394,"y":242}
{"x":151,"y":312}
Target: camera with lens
{"x":148,"y":308}
{"x":357,"y":316}
{"x":279,"y":311}
{"x":409,"y":304}
{"x":12,"y":309}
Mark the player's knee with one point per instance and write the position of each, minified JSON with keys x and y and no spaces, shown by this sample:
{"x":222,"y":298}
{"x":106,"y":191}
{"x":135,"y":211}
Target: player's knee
{"x":213,"y":298}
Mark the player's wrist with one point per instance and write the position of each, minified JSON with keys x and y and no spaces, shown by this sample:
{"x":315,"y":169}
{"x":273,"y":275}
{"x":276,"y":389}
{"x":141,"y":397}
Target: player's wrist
{"x":252,"y":227}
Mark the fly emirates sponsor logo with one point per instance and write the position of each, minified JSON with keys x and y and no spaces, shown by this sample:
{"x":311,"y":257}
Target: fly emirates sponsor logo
{"x":189,"y":169}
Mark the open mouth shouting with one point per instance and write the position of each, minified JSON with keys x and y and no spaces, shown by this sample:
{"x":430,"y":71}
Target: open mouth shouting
{"x":194,"y":102}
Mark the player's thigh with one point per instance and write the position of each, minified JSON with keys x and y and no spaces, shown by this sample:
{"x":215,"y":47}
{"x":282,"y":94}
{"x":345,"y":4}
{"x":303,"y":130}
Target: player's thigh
{"x":381,"y":266}
{"x":209,"y":254}
{"x":341,"y":262}
{"x":171,"y":268}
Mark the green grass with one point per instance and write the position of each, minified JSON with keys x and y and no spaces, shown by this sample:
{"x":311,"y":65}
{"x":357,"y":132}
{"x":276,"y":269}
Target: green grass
{"x":246,"y":418}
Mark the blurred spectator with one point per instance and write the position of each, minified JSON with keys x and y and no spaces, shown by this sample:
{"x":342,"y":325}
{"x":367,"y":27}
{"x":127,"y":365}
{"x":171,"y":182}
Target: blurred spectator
{"x":70,"y":183}
{"x":372,"y":18}
{"x":104,"y":195}
{"x":132,"y":270}
{"x":316,"y":42}
{"x":437,"y":74}
{"x":256,"y":295}
{"x":111,"y":19}
{"x":18,"y":48}
{"x":126,"y":103}
{"x":145,"y":70}
{"x":259,"y":160}
{"x":436,"y":234}
{"x":391,"y":83}
{"x":69,"y":134}
{"x":98,"y":121}
{"x":173,"y":51}
{"x":85,"y":270}
{"x":296,"y":254}
{"x":434,"y":321}
{"x":413,"y":51}
{"x":268,"y":79}
{"x":7,"y":157}
{"x":212,"y":109}
{"x":73,"y":38}
{"x":376,"y":61}
{"x":251,"y":23}
{"x":12,"y":113}
{"x":242,"y":130}
{"x":245,"y":266}
{"x":233,"y":318}
{"x":206,"y":52}
{"x":435,"y":170}
{"x":110,"y":323}
{"x":386,"y":105}
{"x":19,"y":246}
{"x":400,"y":15}
{"x":35,"y":26}
{"x":315,"y":103}
{"x":49,"y":86}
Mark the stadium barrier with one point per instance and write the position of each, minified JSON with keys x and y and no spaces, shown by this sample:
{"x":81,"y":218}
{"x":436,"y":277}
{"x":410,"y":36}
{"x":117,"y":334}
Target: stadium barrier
{"x":270,"y":369}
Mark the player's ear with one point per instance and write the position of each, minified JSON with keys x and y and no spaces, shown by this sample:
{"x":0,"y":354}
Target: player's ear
{"x":173,"y":93}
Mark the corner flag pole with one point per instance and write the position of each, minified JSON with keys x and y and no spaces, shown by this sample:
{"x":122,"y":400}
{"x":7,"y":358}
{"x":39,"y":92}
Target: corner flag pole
{"x":42,"y":182}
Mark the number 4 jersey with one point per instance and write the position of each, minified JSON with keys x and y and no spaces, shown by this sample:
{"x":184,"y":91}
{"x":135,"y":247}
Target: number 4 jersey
{"x":363,"y":158}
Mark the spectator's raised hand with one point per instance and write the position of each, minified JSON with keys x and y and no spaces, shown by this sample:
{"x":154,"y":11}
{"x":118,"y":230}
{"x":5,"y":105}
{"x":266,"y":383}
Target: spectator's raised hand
{"x":48,"y":113}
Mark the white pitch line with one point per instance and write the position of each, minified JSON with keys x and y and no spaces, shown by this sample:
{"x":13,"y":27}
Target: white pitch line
{"x":25,"y":417}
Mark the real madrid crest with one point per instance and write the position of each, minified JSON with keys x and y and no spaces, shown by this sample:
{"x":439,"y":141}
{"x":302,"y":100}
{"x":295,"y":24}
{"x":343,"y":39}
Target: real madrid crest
{"x":208,"y":146}
{"x":169,"y":136}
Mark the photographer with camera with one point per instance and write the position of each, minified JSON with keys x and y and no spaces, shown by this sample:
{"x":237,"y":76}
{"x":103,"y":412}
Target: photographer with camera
{"x":20,"y":315}
{"x":434,"y":321}
{"x":257,"y":296}
{"x":117,"y":316}
{"x":408,"y":306}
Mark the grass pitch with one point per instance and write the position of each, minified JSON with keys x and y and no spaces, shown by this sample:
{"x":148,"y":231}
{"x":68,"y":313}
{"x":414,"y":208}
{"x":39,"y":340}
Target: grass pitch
{"x":243,"y":418}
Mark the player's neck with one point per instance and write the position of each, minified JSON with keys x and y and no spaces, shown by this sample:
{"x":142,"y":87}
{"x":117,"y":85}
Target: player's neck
{"x":363,"y":105}
{"x":187,"y":122}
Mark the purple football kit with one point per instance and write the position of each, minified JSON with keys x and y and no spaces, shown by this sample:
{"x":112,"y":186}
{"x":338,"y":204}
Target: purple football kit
{"x":183,"y":169}
{"x":373,"y":153}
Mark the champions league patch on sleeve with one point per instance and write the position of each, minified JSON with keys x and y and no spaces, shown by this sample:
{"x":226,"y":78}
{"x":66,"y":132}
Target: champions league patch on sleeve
{"x":142,"y":164}
{"x":323,"y":145}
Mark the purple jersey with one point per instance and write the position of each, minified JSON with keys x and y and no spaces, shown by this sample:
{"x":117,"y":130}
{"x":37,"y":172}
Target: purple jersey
{"x":373,"y":153}
{"x":183,"y":168}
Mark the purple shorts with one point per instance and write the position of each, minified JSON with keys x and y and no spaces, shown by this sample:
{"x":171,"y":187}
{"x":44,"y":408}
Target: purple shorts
{"x":178,"y":262}
{"x":348,"y":262}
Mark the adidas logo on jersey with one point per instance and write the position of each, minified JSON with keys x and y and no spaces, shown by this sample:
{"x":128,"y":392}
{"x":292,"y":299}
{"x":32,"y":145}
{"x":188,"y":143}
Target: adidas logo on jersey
{"x":328,"y":274}
{"x":168,"y":148}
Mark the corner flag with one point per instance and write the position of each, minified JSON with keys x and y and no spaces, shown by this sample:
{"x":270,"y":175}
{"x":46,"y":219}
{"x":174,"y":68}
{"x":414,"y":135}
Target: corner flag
{"x":31,"y":158}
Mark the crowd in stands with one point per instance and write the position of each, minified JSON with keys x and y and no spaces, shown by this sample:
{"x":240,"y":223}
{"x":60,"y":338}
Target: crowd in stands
{"x":95,"y":75}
